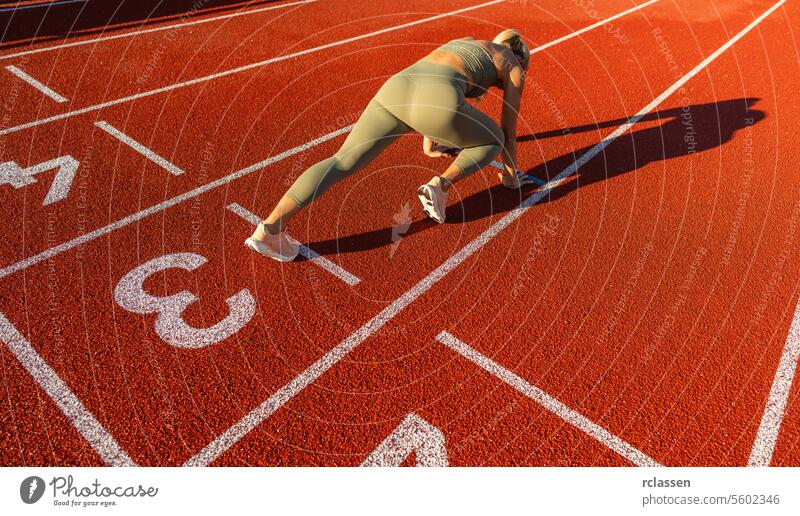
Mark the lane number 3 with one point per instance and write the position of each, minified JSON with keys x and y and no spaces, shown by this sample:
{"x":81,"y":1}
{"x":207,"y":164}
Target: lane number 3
{"x":170,"y":326}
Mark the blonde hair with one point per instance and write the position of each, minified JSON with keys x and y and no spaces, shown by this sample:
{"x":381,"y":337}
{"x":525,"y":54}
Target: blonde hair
{"x":512,"y":39}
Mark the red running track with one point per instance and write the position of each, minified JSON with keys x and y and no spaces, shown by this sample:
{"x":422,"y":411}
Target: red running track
{"x":636,"y":311}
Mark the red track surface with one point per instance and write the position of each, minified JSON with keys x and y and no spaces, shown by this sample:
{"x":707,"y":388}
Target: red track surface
{"x":652,"y":293}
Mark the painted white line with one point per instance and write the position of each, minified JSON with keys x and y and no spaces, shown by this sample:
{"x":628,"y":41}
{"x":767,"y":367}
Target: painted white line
{"x":36,"y":84}
{"x":593,"y":26}
{"x":767,"y":437}
{"x":130,"y":219}
{"x":11,"y":269}
{"x":154,"y":29}
{"x":306,"y":251}
{"x":97,"y":436}
{"x":569,"y":415}
{"x":36,"y":6}
{"x":416,"y":435}
{"x":239,"y":69}
{"x":138,"y":147}
{"x":262,"y":412}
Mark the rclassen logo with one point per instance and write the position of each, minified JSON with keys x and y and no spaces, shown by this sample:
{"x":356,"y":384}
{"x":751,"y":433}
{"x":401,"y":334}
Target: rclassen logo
{"x":31,"y":489}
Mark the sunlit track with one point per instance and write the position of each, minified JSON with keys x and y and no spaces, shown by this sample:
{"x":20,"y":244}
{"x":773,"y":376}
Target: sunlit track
{"x":10,"y":269}
{"x":635,"y":304}
{"x":307,"y":377}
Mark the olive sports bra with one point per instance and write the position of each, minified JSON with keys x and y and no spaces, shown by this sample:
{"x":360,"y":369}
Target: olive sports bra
{"x":478,"y":62}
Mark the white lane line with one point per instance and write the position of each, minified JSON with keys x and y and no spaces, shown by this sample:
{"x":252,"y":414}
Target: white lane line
{"x":260,"y":413}
{"x":97,"y":436}
{"x":593,"y":26}
{"x":306,"y":251}
{"x":154,"y":29}
{"x":33,"y":260}
{"x":36,"y":6}
{"x":239,"y":69}
{"x":138,"y":147}
{"x":36,"y":84}
{"x":767,"y":437}
{"x":569,"y":415}
{"x":130,"y":219}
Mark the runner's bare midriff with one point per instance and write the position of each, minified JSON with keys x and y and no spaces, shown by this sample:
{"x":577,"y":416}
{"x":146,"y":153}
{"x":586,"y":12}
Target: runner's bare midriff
{"x":450,"y":59}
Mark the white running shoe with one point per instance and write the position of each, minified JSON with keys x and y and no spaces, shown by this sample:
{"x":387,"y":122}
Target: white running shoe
{"x":433,"y":199}
{"x":278,"y":247}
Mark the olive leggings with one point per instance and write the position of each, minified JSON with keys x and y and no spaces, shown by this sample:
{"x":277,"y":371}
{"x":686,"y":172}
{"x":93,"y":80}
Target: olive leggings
{"x":425,"y":97}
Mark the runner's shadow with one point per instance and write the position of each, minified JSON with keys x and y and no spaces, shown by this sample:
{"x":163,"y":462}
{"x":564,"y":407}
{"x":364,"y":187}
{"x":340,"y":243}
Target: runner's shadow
{"x":694,"y":129}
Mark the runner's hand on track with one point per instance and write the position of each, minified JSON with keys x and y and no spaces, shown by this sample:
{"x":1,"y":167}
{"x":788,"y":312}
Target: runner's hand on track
{"x":515,"y":182}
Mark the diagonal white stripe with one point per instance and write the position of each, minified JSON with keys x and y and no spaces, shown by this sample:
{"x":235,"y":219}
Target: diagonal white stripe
{"x":768,"y":430}
{"x":569,"y":415}
{"x":138,"y":147}
{"x":36,"y":84}
{"x":306,"y":251}
{"x":97,"y":436}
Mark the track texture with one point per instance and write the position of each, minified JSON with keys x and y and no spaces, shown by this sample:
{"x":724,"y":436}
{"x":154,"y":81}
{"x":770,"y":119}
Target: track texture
{"x":638,"y":312}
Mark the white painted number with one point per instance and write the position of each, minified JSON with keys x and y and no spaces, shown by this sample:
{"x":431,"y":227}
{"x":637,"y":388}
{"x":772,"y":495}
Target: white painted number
{"x":18,"y":177}
{"x":170,"y":326}
{"x":416,"y":435}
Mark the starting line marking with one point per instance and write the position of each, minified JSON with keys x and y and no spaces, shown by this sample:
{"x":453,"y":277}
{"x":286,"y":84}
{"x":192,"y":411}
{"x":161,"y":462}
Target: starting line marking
{"x":558,"y":408}
{"x":83,"y":420}
{"x":36,"y":84}
{"x":767,"y":437}
{"x":306,"y":251}
{"x":138,"y":147}
{"x":130,"y":219}
{"x":263,"y":411}
{"x":144,"y":31}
